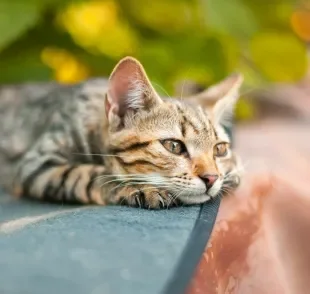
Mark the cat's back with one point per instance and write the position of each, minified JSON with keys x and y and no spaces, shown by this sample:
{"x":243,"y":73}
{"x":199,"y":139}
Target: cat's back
{"x":27,"y":111}
{"x":24,"y":112}
{"x":24,"y":92}
{"x":15,"y":100}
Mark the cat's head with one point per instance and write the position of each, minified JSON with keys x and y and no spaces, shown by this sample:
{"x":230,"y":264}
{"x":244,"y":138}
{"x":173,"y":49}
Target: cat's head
{"x":179,"y":145}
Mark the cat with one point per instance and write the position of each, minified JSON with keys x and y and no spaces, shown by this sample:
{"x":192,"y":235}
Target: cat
{"x":117,"y":141}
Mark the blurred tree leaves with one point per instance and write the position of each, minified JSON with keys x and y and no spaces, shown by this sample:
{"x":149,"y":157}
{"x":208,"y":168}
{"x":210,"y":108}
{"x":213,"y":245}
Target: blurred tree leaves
{"x":231,"y":17}
{"x":280,"y":56}
{"x":16,"y":17}
{"x":202,"y":40}
{"x":162,"y":14}
{"x":97,"y":27}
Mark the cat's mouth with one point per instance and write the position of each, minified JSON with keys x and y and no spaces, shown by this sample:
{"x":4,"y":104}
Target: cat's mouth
{"x":198,"y":198}
{"x":215,"y":191}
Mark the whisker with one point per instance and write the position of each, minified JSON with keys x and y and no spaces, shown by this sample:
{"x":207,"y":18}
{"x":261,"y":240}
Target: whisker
{"x":124,"y":184}
{"x":150,"y":188}
{"x":115,"y":180}
{"x":127,"y":175}
{"x":98,"y":154}
{"x":182,"y":90}
{"x":175,"y":196}
{"x":162,"y":88}
{"x":226,"y":190}
{"x":253,"y":89}
{"x":187,"y":72}
{"x":136,"y":180}
{"x":112,"y":181}
{"x":119,"y":185}
{"x":130,"y":177}
{"x":122,"y":201}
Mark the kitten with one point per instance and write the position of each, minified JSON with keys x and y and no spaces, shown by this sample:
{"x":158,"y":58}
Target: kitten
{"x":117,"y":141}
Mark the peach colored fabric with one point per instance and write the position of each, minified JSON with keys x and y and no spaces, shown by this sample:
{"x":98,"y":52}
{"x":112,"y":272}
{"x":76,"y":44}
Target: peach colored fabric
{"x":261,"y":240}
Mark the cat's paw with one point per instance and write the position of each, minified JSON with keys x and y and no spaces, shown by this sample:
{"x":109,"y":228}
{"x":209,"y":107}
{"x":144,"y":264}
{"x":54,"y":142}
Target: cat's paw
{"x":153,"y":198}
{"x":233,"y":181}
{"x":230,"y":184}
{"x":145,"y":196}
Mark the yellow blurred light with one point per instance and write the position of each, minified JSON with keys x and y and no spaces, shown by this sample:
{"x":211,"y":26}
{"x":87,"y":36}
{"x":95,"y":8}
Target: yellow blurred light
{"x":300,"y":21}
{"x":67,"y":69}
{"x":96,"y":25}
{"x":118,"y":43}
{"x":162,"y":15}
{"x":86,"y":20}
{"x":272,"y":54}
{"x":71,"y":72}
{"x":54,"y":57}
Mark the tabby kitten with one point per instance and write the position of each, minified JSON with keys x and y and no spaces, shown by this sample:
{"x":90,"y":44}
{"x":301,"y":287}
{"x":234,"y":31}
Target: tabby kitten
{"x":117,"y":141}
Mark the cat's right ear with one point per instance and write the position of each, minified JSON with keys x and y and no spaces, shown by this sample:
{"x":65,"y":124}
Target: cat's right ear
{"x":129,"y":90}
{"x":220,"y":99}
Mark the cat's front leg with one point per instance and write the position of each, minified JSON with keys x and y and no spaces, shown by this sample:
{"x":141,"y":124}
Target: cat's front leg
{"x":143,"y":196}
{"x":60,"y":182}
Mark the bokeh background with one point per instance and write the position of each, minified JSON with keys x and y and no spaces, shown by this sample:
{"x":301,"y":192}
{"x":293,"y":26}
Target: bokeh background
{"x":198,"y":40}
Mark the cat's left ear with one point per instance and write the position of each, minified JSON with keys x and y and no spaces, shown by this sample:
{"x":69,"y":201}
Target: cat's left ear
{"x":220,"y":99}
{"x":129,"y":90}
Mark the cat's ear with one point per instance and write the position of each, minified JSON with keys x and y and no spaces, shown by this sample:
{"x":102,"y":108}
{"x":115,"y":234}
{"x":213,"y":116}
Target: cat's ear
{"x":129,"y":89}
{"x":220,"y":99}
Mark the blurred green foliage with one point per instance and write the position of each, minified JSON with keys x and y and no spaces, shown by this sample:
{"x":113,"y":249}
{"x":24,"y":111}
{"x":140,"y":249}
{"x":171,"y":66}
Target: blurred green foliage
{"x":202,"y":40}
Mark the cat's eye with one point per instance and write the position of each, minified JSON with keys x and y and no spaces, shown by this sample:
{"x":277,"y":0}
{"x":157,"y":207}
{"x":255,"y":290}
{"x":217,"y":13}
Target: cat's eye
{"x":221,"y":150}
{"x":174,"y":146}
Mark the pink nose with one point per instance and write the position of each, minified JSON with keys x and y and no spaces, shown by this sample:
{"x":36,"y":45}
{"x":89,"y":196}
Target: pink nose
{"x":209,"y":180}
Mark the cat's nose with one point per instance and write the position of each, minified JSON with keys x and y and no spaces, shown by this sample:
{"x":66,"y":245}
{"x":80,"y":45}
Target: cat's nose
{"x":209,"y":180}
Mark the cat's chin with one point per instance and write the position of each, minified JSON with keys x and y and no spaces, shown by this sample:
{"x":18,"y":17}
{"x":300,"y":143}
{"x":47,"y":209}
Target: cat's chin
{"x":195,"y":199}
